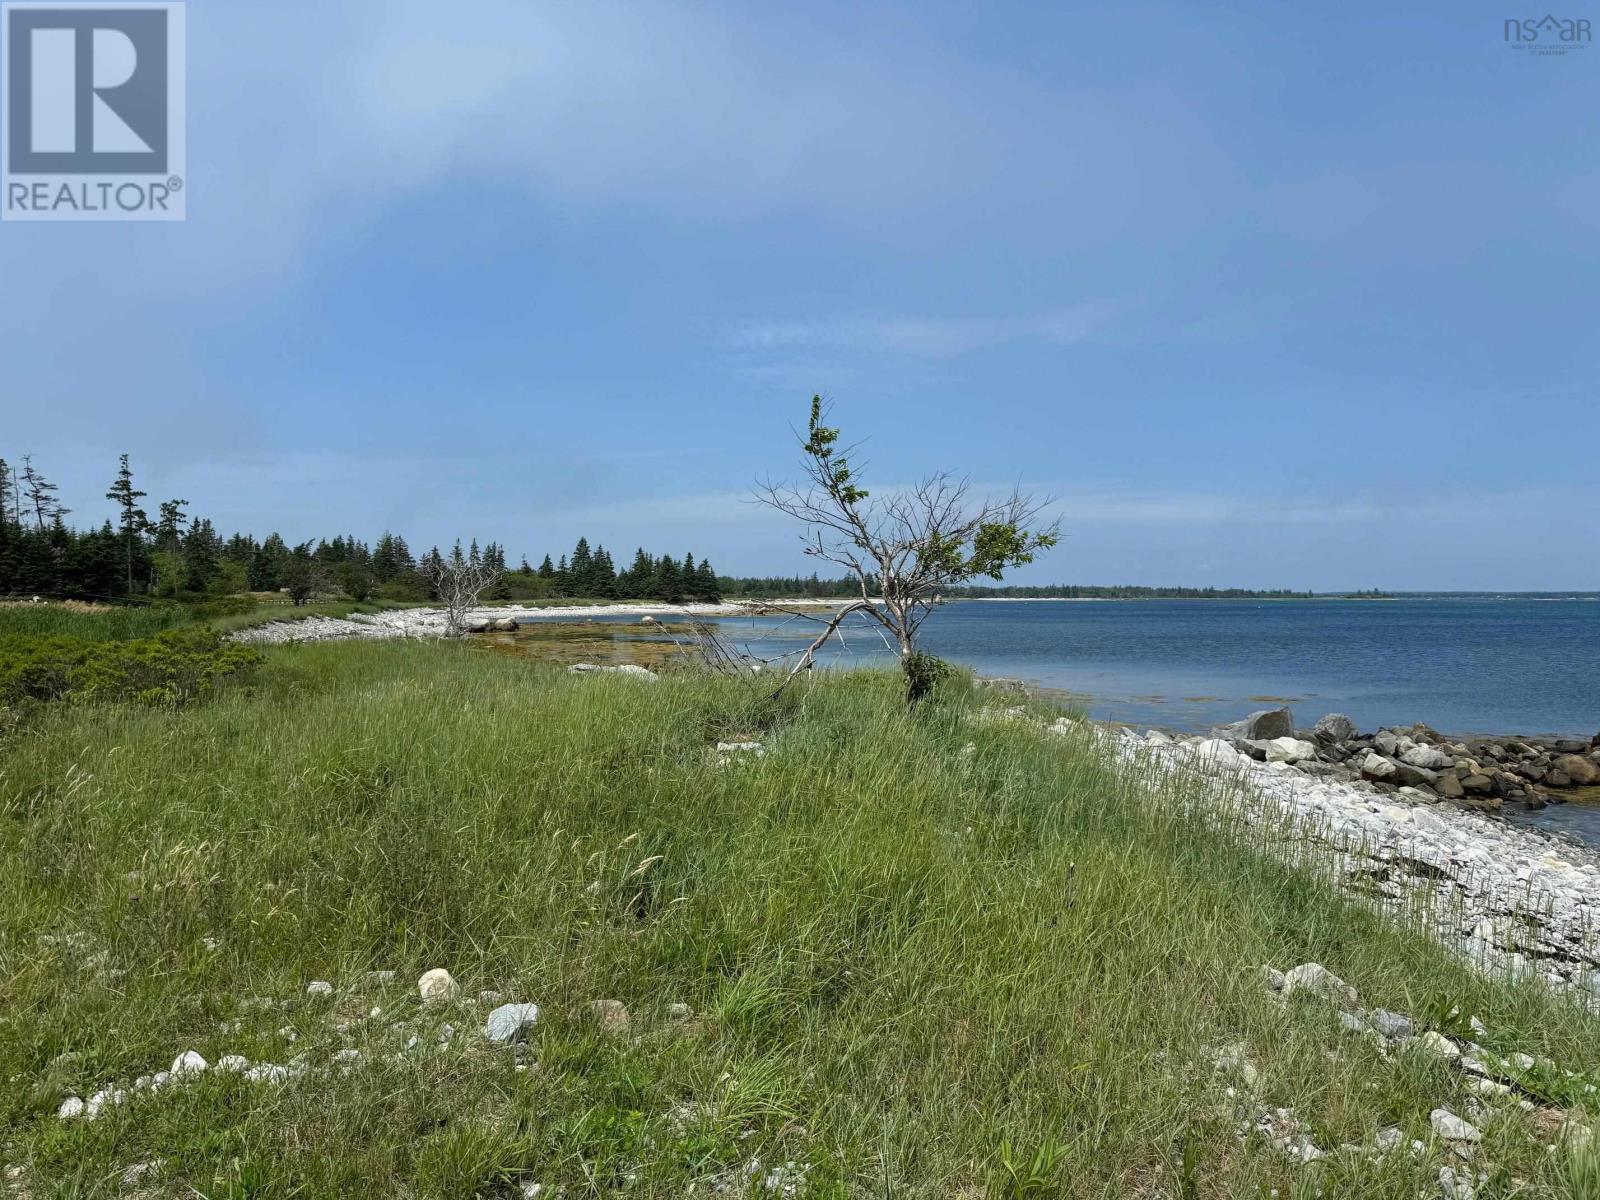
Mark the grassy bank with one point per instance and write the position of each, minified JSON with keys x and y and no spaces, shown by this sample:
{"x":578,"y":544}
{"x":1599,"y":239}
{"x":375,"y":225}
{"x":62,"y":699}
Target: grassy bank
{"x":907,"y":941}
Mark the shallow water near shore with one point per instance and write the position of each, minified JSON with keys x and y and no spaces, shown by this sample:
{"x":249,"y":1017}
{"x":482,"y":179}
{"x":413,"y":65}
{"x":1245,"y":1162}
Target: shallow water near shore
{"x":1464,"y":665}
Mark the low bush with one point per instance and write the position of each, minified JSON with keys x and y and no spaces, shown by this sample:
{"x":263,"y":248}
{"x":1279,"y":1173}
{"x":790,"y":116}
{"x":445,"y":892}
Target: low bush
{"x":224,"y":606}
{"x":170,"y":668}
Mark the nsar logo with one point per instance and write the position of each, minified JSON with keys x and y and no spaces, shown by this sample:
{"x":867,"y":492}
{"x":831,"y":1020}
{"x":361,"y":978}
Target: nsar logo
{"x":92,"y":120}
{"x":1547,"y":36}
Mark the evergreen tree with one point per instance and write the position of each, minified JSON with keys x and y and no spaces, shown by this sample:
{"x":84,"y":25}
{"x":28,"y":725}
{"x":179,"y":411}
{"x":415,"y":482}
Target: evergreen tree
{"x":668,"y":583}
{"x":706,"y":583}
{"x":134,"y":521}
{"x":266,"y":565}
{"x":201,"y":550}
{"x":547,"y":569}
{"x":41,"y":497}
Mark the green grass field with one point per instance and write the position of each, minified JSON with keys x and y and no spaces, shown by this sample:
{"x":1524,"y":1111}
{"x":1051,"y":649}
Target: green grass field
{"x":915,"y":946}
{"x":92,"y":623}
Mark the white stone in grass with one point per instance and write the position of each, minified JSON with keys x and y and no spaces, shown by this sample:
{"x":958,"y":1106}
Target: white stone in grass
{"x":1389,"y":1139}
{"x":233,"y":1064}
{"x":99,"y":1100}
{"x":319,"y":987}
{"x":1390,"y":1024}
{"x":1314,"y":977}
{"x":510,"y":1023}
{"x":189,"y":1063}
{"x":1452,"y":1128}
{"x":70,"y":1107}
{"x":1274,"y":978}
{"x":1218,"y":753}
{"x":436,"y":985}
{"x":266,"y":1073}
{"x":1435,"y":1042}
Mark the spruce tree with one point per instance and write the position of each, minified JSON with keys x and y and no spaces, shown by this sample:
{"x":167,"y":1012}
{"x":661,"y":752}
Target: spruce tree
{"x":134,"y":521}
{"x":41,"y":494}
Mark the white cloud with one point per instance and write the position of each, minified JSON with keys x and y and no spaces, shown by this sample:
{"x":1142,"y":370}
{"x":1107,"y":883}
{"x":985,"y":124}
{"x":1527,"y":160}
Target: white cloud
{"x":921,"y":336}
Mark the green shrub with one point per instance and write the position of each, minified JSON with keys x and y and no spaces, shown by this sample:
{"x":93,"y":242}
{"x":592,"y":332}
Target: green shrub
{"x":170,"y":668}
{"x":224,"y":606}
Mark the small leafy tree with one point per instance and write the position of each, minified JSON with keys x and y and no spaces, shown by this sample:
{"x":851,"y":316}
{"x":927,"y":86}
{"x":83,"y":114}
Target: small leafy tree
{"x":903,"y":550}
{"x":302,"y":576}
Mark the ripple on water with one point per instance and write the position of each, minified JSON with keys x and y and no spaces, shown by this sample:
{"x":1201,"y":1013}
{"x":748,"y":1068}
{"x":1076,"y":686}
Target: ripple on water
{"x":1579,"y":816}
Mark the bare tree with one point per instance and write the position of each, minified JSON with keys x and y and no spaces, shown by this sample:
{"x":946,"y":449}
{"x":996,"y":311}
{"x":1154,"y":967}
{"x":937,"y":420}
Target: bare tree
{"x":904,"y":550}
{"x":460,"y":581}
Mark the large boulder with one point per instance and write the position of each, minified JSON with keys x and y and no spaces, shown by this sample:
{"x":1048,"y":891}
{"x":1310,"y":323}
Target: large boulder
{"x":1378,"y":768}
{"x":1261,"y":726}
{"x":1575,"y":767}
{"x":1289,"y":750}
{"x":1409,"y":776}
{"x":1335,"y":727}
{"x":1426,"y":757}
{"x":1217,"y":752}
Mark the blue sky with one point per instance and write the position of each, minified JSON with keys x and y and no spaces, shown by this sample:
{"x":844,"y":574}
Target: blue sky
{"x":1267,"y":296}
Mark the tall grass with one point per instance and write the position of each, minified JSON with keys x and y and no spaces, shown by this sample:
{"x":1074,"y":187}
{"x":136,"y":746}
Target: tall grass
{"x":908,"y":939}
{"x":95,"y":623}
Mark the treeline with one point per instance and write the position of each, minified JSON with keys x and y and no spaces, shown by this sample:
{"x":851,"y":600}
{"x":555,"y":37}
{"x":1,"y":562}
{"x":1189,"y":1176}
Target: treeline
{"x":178,"y":555}
{"x":1125,"y":592}
{"x":591,"y":574}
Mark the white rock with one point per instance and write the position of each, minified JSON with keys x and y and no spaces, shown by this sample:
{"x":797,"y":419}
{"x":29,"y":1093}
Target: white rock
{"x":1290,"y":750}
{"x":1434,"y":1041}
{"x":234,"y":1064}
{"x":1452,"y":1128}
{"x":511,"y":1023}
{"x":266,"y":1073}
{"x":1389,"y":1139}
{"x":1216,"y":752}
{"x":319,"y":987}
{"x":436,"y":985}
{"x":189,"y":1063}
{"x":1314,"y":977}
{"x":70,"y":1107}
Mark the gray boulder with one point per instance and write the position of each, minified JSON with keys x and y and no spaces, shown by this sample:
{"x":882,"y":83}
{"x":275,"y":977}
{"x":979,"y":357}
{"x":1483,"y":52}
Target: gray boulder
{"x":1377,"y":767}
{"x":1410,"y":776}
{"x":1261,"y":726}
{"x":1580,"y":770}
{"x":510,"y":1023}
{"x":1333,"y":728}
{"x":505,"y":625}
{"x":1426,"y":757}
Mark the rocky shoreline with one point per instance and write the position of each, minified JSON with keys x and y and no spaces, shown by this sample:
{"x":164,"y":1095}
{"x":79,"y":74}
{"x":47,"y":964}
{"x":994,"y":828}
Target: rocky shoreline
{"x":1481,"y":773}
{"x":430,"y":622}
{"x":1510,"y":898}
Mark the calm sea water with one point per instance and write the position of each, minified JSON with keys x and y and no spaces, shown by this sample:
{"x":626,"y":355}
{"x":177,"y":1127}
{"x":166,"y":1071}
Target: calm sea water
{"x":1462,"y":664}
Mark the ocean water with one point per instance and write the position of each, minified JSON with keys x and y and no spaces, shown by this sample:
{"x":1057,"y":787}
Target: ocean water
{"x":1463,"y":664}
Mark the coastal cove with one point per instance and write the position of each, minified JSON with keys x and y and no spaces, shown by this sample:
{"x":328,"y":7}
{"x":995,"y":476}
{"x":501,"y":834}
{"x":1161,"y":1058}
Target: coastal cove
{"x":1466,"y":665}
